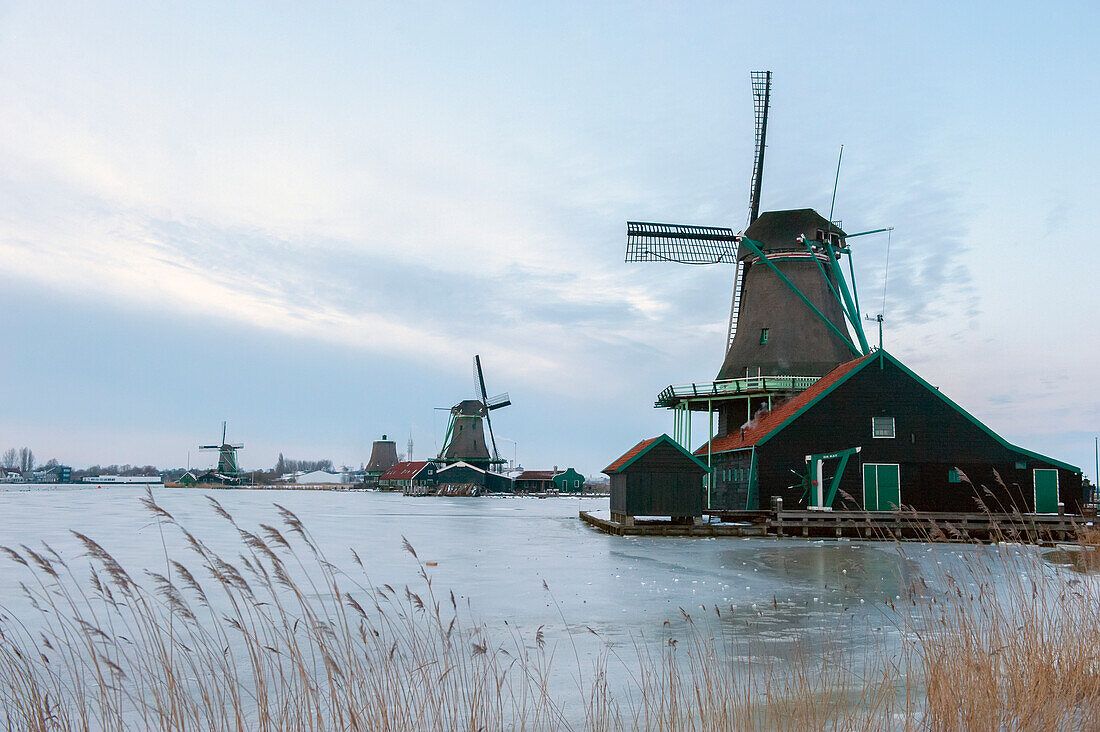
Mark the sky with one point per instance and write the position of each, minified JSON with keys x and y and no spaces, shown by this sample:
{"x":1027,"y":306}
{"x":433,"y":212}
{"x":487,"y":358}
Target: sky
{"x":305,"y":219}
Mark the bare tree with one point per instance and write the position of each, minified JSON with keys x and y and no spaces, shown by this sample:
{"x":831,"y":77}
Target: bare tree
{"x":26,"y":459}
{"x":10,"y":459}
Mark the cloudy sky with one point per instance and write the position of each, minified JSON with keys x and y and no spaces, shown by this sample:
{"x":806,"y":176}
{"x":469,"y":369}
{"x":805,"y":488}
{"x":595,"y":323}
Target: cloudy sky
{"x":306,"y":219}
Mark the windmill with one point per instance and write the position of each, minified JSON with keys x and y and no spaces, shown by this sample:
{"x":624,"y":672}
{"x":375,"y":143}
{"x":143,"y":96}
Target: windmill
{"x":791,"y":306}
{"x":227,"y":457}
{"x":465,"y":439}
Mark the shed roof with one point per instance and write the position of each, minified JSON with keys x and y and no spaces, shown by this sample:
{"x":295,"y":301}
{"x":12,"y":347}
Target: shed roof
{"x":631,"y":455}
{"x":405,"y":470}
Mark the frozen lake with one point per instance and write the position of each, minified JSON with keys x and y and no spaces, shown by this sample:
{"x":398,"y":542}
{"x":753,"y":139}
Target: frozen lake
{"x":777,"y":597}
{"x":497,"y":552}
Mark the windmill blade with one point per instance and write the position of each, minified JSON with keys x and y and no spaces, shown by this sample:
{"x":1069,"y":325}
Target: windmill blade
{"x":761,"y":96}
{"x":498,"y":401}
{"x":492,"y":437}
{"x":485,"y":401}
{"x":650,"y":242}
{"x":223,"y":432}
{"x":210,"y":447}
{"x":480,"y":381}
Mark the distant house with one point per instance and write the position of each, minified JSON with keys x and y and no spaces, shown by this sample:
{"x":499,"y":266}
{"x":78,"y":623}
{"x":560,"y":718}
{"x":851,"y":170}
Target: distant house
{"x":536,"y":481}
{"x":541,"y":481}
{"x":657,"y":477}
{"x":462,"y":478}
{"x":406,"y":475}
{"x":54,"y":474}
{"x":569,"y":481}
{"x":11,"y":475}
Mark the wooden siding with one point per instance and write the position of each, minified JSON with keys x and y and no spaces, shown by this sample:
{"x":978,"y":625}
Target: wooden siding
{"x":930,"y":439}
{"x":730,"y":488}
{"x":663,"y":482}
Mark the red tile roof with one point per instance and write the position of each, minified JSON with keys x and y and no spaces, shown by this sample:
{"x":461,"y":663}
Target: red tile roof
{"x":404,"y":471}
{"x":630,"y":454}
{"x":538,"y":474}
{"x":762,"y":426}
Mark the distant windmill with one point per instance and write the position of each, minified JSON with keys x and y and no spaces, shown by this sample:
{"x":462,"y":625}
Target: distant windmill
{"x":227,"y":456}
{"x":465,"y":439}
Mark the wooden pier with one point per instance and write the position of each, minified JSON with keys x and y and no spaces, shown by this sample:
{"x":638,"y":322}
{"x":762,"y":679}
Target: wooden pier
{"x":866,"y":525}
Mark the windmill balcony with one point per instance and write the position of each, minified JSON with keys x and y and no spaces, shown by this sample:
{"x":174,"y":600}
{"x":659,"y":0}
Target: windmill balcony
{"x":702,"y":391}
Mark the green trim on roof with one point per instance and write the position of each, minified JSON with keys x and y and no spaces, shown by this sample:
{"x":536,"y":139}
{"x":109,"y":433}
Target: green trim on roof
{"x":815,"y":400}
{"x":658,"y":441}
{"x":1003,"y":442}
{"x":881,"y":353}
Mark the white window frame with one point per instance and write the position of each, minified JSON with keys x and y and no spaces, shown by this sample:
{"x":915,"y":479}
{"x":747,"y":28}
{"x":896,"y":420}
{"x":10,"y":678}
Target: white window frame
{"x":877,"y":436}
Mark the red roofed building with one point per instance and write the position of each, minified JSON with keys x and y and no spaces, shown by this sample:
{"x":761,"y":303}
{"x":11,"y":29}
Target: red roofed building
{"x":407,"y":474}
{"x":877,"y":437}
{"x":536,"y":481}
{"x":657,"y":477}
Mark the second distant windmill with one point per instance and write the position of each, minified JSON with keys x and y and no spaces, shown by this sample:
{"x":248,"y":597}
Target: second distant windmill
{"x":228,"y":471}
{"x":465,"y":438}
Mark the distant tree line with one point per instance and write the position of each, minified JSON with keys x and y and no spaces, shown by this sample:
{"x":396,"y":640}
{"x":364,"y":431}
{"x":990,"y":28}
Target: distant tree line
{"x":284,"y":466}
{"x":21,"y":459}
{"x":127,"y":469}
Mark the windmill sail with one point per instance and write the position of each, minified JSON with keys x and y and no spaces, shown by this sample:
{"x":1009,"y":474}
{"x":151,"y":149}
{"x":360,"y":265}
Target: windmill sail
{"x":761,"y":96}
{"x":648,"y":242}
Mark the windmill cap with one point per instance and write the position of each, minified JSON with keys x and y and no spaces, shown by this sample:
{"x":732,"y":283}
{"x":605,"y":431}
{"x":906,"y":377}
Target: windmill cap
{"x":779,"y":230}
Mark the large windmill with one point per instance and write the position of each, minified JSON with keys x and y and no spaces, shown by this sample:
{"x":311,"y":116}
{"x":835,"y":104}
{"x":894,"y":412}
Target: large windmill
{"x":227,"y":458}
{"x":791,"y":306}
{"x":465,"y":439}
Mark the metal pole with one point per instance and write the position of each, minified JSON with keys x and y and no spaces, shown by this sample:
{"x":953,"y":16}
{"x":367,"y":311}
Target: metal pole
{"x":688,"y":417}
{"x":710,"y":439}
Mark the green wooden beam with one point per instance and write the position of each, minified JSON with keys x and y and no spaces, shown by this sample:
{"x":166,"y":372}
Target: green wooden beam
{"x":755,"y":249}
{"x":850,"y":307}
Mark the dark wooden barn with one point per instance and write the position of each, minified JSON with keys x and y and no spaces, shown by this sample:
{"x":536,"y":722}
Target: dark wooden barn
{"x":894,"y":439}
{"x":657,"y":477}
{"x":464,"y":474}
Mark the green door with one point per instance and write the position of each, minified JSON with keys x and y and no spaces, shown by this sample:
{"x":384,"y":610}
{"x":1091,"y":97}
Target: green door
{"x":881,"y":487}
{"x":1046,"y":491}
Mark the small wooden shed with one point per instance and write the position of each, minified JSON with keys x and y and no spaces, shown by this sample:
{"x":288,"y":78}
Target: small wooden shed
{"x":657,"y":477}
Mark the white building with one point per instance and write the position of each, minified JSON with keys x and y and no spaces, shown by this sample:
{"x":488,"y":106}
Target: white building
{"x":318,"y":476}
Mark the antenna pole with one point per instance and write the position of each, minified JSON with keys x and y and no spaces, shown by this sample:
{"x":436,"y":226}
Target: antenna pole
{"x":835,"y":182}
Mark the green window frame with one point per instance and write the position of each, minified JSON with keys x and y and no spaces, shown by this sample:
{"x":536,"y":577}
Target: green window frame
{"x":954,"y":476}
{"x":763,"y":336}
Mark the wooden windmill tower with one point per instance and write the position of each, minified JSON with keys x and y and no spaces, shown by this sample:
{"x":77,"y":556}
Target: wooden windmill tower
{"x":227,"y":458}
{"x":465,"y":439}
{"x":791,"y":305}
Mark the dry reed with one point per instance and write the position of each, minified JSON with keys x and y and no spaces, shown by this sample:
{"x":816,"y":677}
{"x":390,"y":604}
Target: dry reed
{"x":279,"y":638}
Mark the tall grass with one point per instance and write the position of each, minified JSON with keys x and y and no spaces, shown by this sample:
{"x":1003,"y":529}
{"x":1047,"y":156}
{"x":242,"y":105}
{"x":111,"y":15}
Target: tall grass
{"x":278,"y":638}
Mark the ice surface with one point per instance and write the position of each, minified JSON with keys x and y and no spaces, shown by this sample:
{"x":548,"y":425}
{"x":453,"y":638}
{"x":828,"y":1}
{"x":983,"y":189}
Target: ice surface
{"x":495,"y":551}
